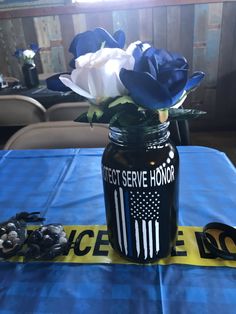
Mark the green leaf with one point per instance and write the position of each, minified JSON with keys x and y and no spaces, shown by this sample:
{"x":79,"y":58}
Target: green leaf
{"x":121,"y":100}
{"x":129,"y":116}
{"x":183,"y":114}
{"x":94,"y":111}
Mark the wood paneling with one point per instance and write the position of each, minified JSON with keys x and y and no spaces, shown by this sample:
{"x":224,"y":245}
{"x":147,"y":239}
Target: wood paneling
{"x":67,"y":32}
{"x":173,"y":28}
{"x":120,"y":20}
{"x":213,"y":42}
{"x":79,"y":22}
{"x":128,"y":21}
{"x":30,"y":37}
{"x":97,"y":7}
{"x":146,"y":25}
{"x":49,"y":36}
{"x":205,"y":33}
{"x":199,"y":51}
{"x":101,"y":19}
{"x":160,"y":27}
{"x":186,"y":33}
{"x":226,"y":83}
{"x":9,"y":43}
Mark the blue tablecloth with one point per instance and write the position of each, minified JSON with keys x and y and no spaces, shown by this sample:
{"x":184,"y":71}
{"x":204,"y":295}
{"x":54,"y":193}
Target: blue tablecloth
{"x":66,"y":186}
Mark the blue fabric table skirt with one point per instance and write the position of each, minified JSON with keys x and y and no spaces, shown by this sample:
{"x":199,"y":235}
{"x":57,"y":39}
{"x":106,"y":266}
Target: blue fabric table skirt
{"x":66,"y":186}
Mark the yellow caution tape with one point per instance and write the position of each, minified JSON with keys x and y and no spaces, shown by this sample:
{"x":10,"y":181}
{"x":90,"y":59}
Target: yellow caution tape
{"x":92,"y":247}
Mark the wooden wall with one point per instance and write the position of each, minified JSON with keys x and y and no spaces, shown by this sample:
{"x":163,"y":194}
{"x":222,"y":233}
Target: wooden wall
{"x":204,"y":33}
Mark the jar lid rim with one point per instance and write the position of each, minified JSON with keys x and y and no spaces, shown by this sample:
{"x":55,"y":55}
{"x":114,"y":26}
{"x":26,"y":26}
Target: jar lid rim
{"x":147,"y":128}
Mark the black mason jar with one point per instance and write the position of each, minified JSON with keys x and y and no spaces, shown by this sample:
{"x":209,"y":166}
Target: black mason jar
{"x":30,"y":74}
{"x":140,"y":168}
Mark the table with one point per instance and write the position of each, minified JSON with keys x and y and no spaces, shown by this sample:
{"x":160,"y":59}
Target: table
{"x":45,"y":96}
{"x":65,"y":186}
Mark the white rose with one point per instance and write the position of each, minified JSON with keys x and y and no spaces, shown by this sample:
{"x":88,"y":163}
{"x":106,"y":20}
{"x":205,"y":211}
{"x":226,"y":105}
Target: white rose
{"x":97,"y":74}
{"x":29,"y":54}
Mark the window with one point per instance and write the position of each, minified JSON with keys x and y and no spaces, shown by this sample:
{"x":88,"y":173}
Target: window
{"x":89,"y":1}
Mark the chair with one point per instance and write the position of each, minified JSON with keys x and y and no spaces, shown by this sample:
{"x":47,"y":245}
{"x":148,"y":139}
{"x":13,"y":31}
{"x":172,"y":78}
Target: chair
{"x":61,"y":134}
{"x":66,"y":111}
{"x":179,"y":130}
{"x":17,"y":110}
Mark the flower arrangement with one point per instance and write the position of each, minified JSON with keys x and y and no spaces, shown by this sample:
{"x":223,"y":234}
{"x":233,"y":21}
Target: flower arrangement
{"x":138,"y":85}
{"x":135,"y":90}
{"x":27,"y":55}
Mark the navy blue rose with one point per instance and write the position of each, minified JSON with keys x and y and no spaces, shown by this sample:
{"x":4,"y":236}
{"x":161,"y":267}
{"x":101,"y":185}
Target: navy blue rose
{"x":159,"y":79}
{"x":92,"y":41}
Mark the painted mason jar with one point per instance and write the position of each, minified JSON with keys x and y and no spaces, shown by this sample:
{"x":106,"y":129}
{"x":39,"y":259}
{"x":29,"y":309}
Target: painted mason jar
{"x":140,"y":168}
{"x":30,"y":74}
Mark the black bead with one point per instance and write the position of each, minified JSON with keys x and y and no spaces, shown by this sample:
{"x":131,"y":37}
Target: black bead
{"x":54,"y":228}
{"x":2,"y":231}
{"x":7,"y":244}
{"x":54,"y":251}
{"x":55,"y":237}
{"x":35,"y":237}
{"x":47,"y":241}
{"x":33,"y":251}
{"x":11,"y":228}
{"x":45,"y":232}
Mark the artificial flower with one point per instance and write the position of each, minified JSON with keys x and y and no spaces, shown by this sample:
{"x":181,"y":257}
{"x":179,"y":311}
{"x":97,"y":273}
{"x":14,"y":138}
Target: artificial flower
{"x":54,"y":83}
{"x":18,"y":53}
{"x":159,"y":79}
{"x":27,"y":55}
{"x":34,"y":47}
{"x":97,"y":74}
{"x":150,"y":81}
{"x":92,"y":41}
{"x":87,"y":42}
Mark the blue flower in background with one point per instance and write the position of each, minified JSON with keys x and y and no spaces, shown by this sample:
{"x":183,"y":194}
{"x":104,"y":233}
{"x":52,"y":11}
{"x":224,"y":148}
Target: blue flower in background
{"x":18,"y":53}
{"x":159,"y":79}
{"x":91,"y":41}
{"x":34,"y":47}
{"x":26,"y":54}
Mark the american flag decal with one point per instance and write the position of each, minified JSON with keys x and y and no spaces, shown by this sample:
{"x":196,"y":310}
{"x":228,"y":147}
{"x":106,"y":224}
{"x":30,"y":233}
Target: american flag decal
{"x":137,"y":213}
